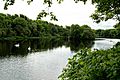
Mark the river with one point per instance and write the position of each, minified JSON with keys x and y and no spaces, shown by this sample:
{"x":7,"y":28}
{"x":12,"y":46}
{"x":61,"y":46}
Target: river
{"x":27,"y":61}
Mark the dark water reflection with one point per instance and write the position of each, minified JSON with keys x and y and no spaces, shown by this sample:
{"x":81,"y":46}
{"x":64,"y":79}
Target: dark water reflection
{"x":22,"y":48}
{"x":76,"y":45}
{"x":42,"y":59}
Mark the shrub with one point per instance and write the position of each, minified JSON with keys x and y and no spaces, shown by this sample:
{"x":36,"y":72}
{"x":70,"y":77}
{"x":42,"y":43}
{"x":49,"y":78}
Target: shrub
{"x":93,"y":65}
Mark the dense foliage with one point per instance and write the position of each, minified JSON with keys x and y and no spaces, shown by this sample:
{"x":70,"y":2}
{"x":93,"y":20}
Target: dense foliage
{"x":85,"y":65}
{"x":22,"y":26}
{"x":106,"y":9}
{"x":83,"y":32}
{"x":93,"y":65}
{"x":109,"y":33}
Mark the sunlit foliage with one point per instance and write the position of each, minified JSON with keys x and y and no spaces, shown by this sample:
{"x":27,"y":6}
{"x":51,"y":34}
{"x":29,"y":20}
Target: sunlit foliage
{"x":93,"y":65}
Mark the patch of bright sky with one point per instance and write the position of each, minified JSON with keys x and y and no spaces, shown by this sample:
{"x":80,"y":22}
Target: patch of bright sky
{"x":67,"y":13}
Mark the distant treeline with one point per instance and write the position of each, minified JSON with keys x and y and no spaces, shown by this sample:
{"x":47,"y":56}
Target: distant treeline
{"x":15,"y":26}
{"x":109,"y":33}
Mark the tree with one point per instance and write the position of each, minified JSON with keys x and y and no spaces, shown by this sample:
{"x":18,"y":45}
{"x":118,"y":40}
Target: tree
{"x":75,"y":32}
{"x":81,"y":32}
{"x":106,"y":9}
{"x":20,"y":25}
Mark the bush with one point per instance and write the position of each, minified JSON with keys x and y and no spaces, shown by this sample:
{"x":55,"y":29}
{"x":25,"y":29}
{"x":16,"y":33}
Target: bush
{"x":93,"y":65}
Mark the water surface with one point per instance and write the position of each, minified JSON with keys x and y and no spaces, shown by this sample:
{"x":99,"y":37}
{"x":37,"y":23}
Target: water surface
{"x":41,"y":60}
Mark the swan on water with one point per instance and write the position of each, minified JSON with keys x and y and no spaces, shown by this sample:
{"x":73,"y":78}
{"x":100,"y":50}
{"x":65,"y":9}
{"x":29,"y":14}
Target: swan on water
{"x":17,"y":45}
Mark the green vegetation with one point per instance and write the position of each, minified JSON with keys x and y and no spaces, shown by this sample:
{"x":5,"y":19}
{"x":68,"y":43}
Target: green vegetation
{"x":109,"y":33}
{"x":106,"y":9}
{"x":18,"y":26}
{"x":78,"y":33}
{"x":21,"y":27}
{"x":100,"y":64}
{"x":93,"y":65}
{"x":86,"y":64}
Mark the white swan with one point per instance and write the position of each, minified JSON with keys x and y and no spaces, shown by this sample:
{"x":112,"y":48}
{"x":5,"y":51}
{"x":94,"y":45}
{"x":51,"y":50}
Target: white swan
{"x":29,"y":48}
{"x":17,"y":45}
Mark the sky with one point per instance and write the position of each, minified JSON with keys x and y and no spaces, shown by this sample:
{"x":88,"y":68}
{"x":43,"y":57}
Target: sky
{"x":67,"y":13}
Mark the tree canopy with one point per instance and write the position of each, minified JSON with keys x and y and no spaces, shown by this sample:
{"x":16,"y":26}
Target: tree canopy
{"x":106,"y":9}
{"x":22,"y":26}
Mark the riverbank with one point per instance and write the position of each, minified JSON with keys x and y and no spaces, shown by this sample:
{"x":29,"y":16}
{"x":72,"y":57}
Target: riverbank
{"x":18,"y":38}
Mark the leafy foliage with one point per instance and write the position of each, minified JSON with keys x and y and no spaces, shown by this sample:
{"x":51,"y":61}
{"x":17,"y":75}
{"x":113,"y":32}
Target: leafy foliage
{"x":81,"y":32}
{"x":93,"y":65}
{"x":106,"y":9}
{"x":109,"y":33}
{"x":20,"y":25}
{"x":44,"y":14}
{"x":11,"y":2}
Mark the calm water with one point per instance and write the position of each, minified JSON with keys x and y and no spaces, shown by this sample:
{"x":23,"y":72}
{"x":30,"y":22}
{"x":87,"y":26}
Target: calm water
{"x":41,"y":59}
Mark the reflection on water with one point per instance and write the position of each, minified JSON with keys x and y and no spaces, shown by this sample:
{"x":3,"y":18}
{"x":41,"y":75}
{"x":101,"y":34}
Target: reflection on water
{"x":103,"y":43}
{"x":76,"y":46}
{"x":22,"y":48}
{"x":45,"y":65}
{"x":41,"y":59}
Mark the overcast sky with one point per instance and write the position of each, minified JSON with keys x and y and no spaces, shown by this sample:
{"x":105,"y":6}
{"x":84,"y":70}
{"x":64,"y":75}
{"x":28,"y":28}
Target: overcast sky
{"x":67,"y":13}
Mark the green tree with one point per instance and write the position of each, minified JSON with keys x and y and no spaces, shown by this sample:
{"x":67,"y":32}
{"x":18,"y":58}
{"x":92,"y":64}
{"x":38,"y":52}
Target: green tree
{"x":20,"y":26}
{"x":75,"y":32}
{"x":81,"y":32}
{"x":106,"y":9}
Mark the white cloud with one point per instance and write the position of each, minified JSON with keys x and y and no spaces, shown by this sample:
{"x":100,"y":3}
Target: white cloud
{"x":68,"y":12}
